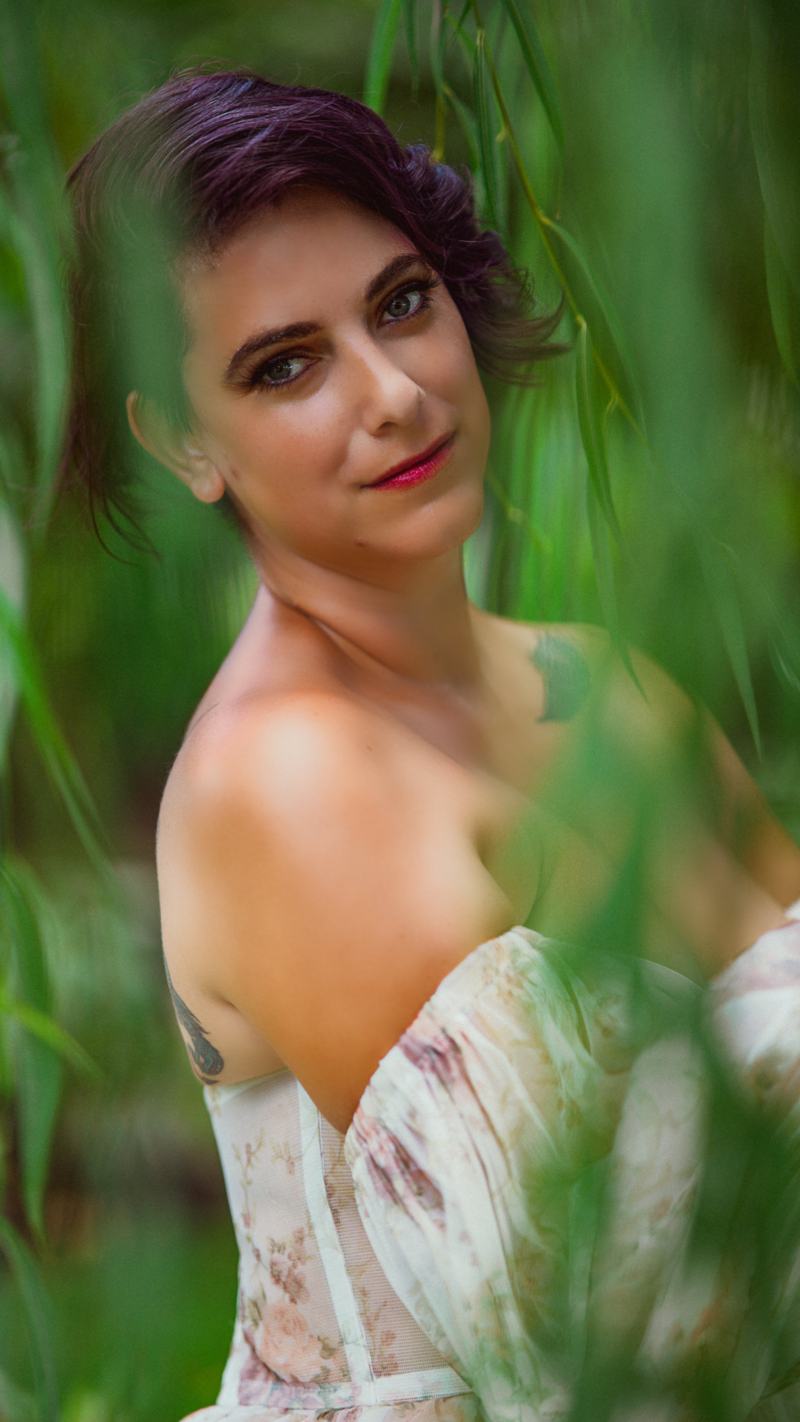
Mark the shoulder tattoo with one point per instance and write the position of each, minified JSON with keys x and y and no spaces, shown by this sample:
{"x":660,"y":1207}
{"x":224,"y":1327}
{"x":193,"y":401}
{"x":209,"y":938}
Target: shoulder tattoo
{"x":207,"y":1059}
{"x":567,"y":679}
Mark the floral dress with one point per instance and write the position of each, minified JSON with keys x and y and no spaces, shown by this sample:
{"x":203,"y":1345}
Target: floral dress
{"x":446,"y":1259}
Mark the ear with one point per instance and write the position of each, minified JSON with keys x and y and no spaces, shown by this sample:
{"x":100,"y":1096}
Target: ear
{"x":176,"y":450}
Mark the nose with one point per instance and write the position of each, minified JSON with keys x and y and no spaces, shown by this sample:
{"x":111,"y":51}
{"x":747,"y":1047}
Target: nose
{"x":389,"y":396}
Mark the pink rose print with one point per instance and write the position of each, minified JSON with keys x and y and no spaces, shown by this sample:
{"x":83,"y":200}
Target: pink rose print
{"x":285,"y":1343}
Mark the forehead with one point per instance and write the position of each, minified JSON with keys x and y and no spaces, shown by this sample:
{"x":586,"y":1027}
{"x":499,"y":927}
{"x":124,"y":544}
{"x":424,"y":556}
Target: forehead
{"x":301,"y":260}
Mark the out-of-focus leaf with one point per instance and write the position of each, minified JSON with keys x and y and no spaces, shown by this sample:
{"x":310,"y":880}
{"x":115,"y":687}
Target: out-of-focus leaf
{"x":36,"y":1066}
{"x":488,"y":147}
{"x":469,"y":128}
{"x":729,"y":615}
{"x":50,"y":1033}
{"x":58,"y":761}
{"x":614,"y":334}
{"x":604,"y":573}
{"x":31,"y":1291}
{"x":16,"y":1405}
{"x":379,"y":64}
{"x":592,"y":426}
{"x":438,"y":45}
{"x":12,"y":583}
{"x":783,"y":304}
{"x":32,"y":228}
{"x":538,"y":68}
{"x":410,"y":11}
{"x":778,"y":175}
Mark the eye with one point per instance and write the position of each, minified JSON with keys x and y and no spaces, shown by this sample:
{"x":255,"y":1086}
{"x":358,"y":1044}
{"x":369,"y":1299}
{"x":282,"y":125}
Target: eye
{"x":408,"y":302}
{"x":280,"y":370}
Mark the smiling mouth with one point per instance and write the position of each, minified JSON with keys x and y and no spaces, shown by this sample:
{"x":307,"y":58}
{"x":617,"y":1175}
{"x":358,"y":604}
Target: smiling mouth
{"x":417,"y":469}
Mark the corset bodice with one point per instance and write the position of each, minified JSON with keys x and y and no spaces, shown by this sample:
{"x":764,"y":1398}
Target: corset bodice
{"x":318,"y":1325}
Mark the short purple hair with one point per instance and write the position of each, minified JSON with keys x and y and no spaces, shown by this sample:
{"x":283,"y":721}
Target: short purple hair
{"x":179,"y":174}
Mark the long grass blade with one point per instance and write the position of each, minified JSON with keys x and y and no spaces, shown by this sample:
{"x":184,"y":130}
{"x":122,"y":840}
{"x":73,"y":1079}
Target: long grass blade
{"x":536,"y":63}
{"x":50,"y":1033}
{"x":725,"y":600}
{"x":379,"y":63}
{"x":410,"y":12}
{"x":34,"y":1300}
{"x":592,"y":426}
{"x":58,"y":760}
{"x":783,"y":304}
{"x":486,"y":125}
{"x":778,"y":179}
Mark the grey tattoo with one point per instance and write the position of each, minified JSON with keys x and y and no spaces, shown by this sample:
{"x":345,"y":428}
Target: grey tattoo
{"x":207,"y":1059}
{"x":567,"y":680}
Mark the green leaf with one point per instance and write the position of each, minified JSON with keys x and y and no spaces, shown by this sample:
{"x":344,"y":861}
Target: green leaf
{"x":438,"y":46}
{"x":604,"y":574}
{"x":379,"y":63}
{"x":488,"y":148}
{"x":538,"y":68}
{"x":614,"y":334}
{"x":57,"y":759}
{"x":31,"y":224}
{"x":410,"y":11}
{"x":777,"y":168}
{"x":15,"y":1404}
{"x":50,"y":1033}
{"x":34,"y":1300}
{"x":783,"y":303}
{"x":724,"y":596}
{"x":592,"y":426}
{"x":469,"y":128}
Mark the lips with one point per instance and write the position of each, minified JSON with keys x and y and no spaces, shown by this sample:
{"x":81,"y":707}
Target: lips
{"x":417,"y":469}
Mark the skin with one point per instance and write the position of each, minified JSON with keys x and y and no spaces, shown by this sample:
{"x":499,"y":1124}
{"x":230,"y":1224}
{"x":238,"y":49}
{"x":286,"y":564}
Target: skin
{"x":361,"y":797}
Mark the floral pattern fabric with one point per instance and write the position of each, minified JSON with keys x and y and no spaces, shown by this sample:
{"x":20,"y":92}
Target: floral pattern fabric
{"x":318,"y":1327}
{"x":478,"y":1144}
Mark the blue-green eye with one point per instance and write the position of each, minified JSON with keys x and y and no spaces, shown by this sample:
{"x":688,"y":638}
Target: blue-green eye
{"x":281,"y":369}
{"x":409,"y":301}
{"x":402,"y":304}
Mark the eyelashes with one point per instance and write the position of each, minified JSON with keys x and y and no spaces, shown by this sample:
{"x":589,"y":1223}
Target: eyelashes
{"x":278,"y":371}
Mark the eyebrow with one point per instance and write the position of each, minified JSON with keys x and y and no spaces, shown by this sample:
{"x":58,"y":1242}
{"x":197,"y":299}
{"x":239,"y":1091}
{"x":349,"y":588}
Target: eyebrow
{"x":262,"y":340}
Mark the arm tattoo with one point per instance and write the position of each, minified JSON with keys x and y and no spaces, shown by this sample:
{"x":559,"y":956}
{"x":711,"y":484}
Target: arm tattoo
{"x":207,"y":1059}
{"x":567,"y":680}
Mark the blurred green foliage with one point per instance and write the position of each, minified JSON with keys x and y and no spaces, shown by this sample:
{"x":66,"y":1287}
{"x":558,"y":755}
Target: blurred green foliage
{"x":641,"y":155}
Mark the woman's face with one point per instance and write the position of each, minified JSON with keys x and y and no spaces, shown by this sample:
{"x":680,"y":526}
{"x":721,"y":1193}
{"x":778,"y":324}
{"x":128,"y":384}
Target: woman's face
{"x":325,"y":356}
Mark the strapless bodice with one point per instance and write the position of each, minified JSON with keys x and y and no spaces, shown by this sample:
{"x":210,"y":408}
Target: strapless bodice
{"x":318,"y":1326}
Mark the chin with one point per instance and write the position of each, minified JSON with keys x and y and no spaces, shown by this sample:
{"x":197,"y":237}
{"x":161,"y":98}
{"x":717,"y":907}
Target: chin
{"x":438,"y":527}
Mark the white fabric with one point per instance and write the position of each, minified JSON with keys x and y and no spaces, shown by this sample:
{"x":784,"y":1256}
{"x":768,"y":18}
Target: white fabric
{"x":478,"y":1147}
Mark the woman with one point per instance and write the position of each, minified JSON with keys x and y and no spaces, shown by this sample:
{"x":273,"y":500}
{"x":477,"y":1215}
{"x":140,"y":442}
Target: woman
{"x":292,"y":309}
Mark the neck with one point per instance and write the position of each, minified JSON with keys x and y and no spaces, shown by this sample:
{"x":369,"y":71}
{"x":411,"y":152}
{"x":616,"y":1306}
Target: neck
{"x":413,"y":622}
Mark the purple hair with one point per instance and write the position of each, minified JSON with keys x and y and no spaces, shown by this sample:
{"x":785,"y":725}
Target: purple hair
{"x":179,"y":174}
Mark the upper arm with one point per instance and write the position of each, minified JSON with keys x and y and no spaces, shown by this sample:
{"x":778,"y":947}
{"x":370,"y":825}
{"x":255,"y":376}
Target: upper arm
{"x":319,"y":889}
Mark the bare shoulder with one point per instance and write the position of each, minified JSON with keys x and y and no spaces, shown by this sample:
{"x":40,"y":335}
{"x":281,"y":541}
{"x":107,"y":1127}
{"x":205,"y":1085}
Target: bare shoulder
{"x":275,"y":758}
{"x":581,"y":670}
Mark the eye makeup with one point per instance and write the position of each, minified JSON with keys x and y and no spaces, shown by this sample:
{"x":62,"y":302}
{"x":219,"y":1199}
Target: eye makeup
{"x":276,"y":373}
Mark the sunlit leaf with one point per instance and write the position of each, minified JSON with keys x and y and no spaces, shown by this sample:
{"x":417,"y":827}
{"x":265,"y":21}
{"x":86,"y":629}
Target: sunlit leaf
{"x":379,"y":64}
{"x":536,"y":62}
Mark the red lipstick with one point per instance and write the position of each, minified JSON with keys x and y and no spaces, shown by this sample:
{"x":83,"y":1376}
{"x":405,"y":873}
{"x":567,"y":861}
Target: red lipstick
{"x":417,"y":469}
